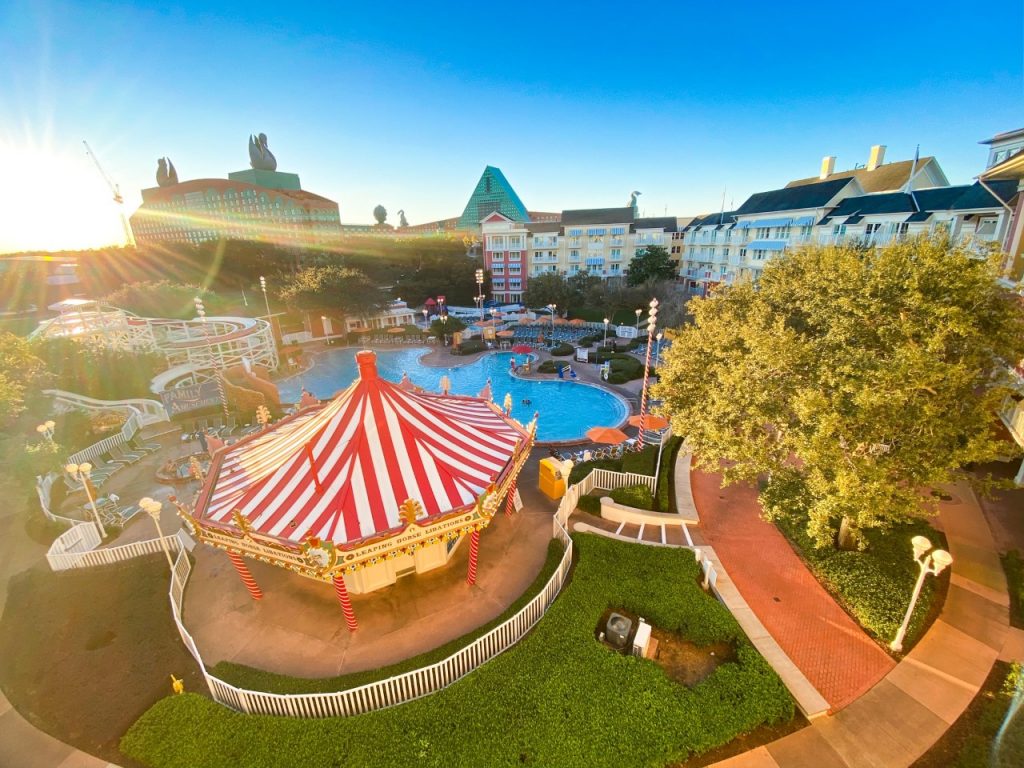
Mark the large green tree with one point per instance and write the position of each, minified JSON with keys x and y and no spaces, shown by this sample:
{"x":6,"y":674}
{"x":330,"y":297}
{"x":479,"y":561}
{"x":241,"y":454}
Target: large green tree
{"x":547,"y":288}
{"x":847,"y":381}
{"x":163,"y":298}
{"x":333,"y":288}
{"x":651,"y":265}
{"x":22,"y":374}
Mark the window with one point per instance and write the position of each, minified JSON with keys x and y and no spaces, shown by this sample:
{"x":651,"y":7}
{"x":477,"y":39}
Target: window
{"x":515,"y":269}
{"x":574,"y":255}
{"x":871,"y":229}
{"x":497,"y":257}
{"x":743,"y":253}
{"x":838,"y":230}
{"x":759,"y":254}
{"x":575,"y":232}
{"x":618,"y":230}
{"x":763,"y":233}
{"x":614,"y":267}
{"x":498,"y":269}
{"x":782,"y":233}
{"x":515,"y":256}
{"x":725,"y":253}
{"x":805,"y":231}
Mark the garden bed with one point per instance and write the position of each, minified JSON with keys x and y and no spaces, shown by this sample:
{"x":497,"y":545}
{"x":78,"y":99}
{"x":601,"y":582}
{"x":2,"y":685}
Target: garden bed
{"x":556,"y":699}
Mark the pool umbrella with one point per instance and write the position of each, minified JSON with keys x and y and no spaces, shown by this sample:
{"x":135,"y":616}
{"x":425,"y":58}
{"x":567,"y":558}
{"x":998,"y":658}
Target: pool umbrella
{"x":577,"y":321}
{"x":561,"y":321}
{"x":396,"y":330}
{"x":485,"y":393}
{"x":308,"y":399}
{"x":406,"y":383}
{"x":522,"y":349}
{"x":609,"y":435}
{"x":648,"y":421}
{"x":506,"y":334}
{"x":446,"y":384}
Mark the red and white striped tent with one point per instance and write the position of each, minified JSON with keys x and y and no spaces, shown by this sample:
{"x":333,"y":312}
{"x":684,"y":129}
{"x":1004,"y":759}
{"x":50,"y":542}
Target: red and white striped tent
{"x":341,"y":475}
{"x":340,"y":471}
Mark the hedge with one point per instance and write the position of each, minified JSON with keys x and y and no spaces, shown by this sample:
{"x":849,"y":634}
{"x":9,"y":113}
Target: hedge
{"x":873,"y":585}
{"x":548,"y":366}
{"x":641,"y":463}
{"x":558,"y":698}
{"x":563,"y":350}
{"x":589,"y":504}
{"x":469,"y":346}
{"x":1013,"y":565}
{"x":638,"y":496}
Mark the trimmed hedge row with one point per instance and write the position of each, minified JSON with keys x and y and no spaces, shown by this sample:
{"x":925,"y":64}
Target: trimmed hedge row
{"x":638,"y":496}
{"x":563,"y":350}
{"x":558,"y":698}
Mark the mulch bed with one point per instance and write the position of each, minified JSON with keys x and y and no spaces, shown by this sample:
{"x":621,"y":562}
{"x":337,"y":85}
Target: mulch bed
{"x":83,"y":653}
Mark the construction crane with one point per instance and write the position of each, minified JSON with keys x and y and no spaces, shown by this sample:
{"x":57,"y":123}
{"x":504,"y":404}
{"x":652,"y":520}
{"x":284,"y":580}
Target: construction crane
{"x":115,"y":191}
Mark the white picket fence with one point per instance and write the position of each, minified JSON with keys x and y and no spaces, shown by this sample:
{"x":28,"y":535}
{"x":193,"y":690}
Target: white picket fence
{"x":383,"y":693}
{"x":44,"y":485}
{"x":76,"y":548}
{"x":602,"y":479}
{"x":131,"y":425}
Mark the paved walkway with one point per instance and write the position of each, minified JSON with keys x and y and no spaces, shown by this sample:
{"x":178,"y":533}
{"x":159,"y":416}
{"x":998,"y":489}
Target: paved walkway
{"x":821,"y":639}
{"x":905,"y":713}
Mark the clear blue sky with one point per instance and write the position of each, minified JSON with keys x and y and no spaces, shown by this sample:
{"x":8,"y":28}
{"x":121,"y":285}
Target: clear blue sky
{"x":404,"y":104}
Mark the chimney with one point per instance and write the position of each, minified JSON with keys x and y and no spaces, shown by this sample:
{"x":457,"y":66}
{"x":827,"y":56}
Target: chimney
{"x":828,"y":164}
{"x":877,"y":156}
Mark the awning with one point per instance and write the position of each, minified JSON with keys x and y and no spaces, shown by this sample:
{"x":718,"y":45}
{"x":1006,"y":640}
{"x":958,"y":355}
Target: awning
{"x":766,"y":223}
{"x":803,"y":221}
{"x":766,"y":245}
{"x":855,"y":219}
{"x":592,"y":262}
{"x":920,"y":216}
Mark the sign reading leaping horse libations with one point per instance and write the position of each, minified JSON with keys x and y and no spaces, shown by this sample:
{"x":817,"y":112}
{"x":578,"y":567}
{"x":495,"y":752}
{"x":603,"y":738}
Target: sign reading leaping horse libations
{"x":193,"y":398}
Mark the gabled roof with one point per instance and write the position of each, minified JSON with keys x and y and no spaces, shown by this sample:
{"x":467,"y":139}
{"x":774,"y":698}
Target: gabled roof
{"x":963,"y":197}
{"x":341,"y":471}
{"x":598,"y":216}
{"x":868,"y":205}
{"x":492,"y":193}
{"x":794,"y":198}
{"x":712,"y":219}
{"x":543,"y":226}
{"x":976,"y":196}
{"x":667,"y":223}
{"x":1004,"y":136}
{"x":940,"y":198}
{"x":888,"y":177}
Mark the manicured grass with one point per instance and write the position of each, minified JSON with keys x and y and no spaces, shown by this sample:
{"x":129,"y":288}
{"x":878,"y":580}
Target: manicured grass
{"x":257,"y":679}
{"x":642,"y":463}
{"x":971,"y":742}
{"x":875,"y":585}
{"x":559,"y":698}
{"x":1013,"y":565}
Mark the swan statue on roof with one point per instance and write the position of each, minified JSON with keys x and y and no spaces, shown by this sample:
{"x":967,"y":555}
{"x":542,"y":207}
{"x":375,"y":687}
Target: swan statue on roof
{"x":402,"y":221}
{"x":166,"y":174}
{"x":632,"y":199}
{"x":172,"y":172}
{"x":260,"y":156}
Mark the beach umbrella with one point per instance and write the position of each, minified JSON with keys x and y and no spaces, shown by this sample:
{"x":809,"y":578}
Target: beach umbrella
{"x":577,"y":321}
{"x":561,"y":321}
{"x":308,"y":399}
{"x":648,"y":421}
{"x":609,"y":435}
{"x":446,"y":384}
{"x":406,"y":383}
{"x":522,"y":349}
{"x":485,"y":393}
{"x":396,"y":330}
{"x":506,"y":334}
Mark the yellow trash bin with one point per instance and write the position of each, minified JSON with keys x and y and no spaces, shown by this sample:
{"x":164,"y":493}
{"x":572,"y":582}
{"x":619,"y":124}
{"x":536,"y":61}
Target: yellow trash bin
{"x":552,"y":482}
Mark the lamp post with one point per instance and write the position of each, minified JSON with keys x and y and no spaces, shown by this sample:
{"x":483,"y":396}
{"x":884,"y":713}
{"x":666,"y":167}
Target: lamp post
{"x":657,"y":353}
{"x":605,"y":344}
{"x":82,"y":472}
{"x":266,"y":301}
{"x":152,"y":508}
{"x":444,"y":330}
{"x":46,"y":430}
{"x":638,"y":313}
{"x":933,"y":563}
{"x":552,"y":307}
{"x":480,"y":291}
{"x":652,"y":319}
{"x":426,"y":317}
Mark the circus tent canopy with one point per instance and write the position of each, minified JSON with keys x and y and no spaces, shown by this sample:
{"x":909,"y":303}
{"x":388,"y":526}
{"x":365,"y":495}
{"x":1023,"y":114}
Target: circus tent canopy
{"x":341,"y":471}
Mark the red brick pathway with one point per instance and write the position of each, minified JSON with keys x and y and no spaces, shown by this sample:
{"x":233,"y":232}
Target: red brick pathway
{"x":834,"y":653}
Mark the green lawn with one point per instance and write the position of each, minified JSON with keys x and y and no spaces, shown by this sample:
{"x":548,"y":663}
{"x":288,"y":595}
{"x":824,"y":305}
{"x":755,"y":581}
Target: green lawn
{"x":874,"y":585}
{"x":559,"y":698}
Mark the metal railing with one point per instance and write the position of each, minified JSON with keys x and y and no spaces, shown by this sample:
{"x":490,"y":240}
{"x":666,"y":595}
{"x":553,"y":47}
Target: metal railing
{"x":126,"y":433}
{"x":76,"y":548}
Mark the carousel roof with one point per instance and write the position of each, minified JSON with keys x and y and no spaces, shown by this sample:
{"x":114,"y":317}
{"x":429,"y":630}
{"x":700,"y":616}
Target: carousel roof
{"x":339,"y":471}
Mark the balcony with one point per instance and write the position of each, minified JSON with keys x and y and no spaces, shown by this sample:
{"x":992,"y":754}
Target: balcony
{"x":545,"y":242}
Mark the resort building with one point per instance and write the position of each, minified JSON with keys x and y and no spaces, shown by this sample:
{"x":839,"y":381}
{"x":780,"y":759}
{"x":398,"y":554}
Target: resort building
{"x":254,"y":204}
{"x":598,"y":241}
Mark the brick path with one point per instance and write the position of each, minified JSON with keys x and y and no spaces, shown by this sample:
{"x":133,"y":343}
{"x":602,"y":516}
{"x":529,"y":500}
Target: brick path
{"x":835,"y":655}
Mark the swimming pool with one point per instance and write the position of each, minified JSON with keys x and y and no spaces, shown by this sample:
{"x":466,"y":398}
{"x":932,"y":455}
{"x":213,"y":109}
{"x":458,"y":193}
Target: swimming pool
{"x":567,"y":408}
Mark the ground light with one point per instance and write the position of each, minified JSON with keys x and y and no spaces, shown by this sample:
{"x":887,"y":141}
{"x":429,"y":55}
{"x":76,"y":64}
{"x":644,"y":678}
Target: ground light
{"x":932,"y":563}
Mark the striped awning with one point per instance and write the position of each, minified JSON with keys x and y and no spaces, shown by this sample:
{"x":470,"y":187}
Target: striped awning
{"x":766,"y":245}
{"x":340,"y":471}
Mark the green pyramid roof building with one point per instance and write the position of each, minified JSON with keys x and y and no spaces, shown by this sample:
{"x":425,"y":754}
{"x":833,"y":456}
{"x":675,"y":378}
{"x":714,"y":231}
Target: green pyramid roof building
{"x":492,"y":193}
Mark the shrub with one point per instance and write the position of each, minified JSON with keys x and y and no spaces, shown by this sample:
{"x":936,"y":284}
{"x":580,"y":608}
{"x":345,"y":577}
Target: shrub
{"x":558,"y":679}
{"x":581,"y":469}
{"x":588,"y":341}
{"x":548,"y":366}
{"x":638,"y":496}
{"x":563,"y":350}
{"x":665,"y":501}
{"x":469,"y":347}
{"x":589,"y":504}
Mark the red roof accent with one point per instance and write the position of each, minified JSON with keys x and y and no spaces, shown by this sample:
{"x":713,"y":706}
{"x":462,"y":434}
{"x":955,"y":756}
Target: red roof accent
{"x":373,"y":447}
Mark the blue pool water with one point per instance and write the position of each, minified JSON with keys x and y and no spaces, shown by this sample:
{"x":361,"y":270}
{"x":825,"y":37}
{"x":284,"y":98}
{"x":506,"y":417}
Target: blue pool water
{"x":567,"y":409}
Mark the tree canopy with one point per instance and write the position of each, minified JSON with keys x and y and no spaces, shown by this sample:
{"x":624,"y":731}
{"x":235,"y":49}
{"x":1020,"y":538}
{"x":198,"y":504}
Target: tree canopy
{"x":163,"y":298}
{"x":22,"y":374}
{"x":380,"y":213}
{"x":848,"y":380}
{"x":649,"y":266}
{"x":450,"y":326}
{"x":333,"y":288}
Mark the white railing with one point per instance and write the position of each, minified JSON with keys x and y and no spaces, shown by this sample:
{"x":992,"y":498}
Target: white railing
{"x":126,"y":433}
{"x":44,"y":484}
{"x":77,"y":549}
{"x":383,"y":693}
{"x":150,"y":411}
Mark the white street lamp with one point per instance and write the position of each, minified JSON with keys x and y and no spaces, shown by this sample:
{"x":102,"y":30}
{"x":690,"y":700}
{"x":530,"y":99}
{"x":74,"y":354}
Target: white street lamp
{"x":425,"y":317}
{"x":606,"y":321}
{"x":932,"y":563}
{"x":46,"y":429}
{"x":480,"y":291}
{"x":152,"y":508}
{"x":444,"y":329}
{"x":638,"y":313}
{"x":657,"y":354}
{"x":82,"y":472}
{"x":263,"y":287}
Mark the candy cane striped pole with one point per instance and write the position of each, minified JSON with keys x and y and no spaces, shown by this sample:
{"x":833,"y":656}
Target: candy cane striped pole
{"x":510,"y":502}
{"x":474,"y":554}
{"x":346,"y":602}
{"x":247,"y":579}
{"x":652,"y":314}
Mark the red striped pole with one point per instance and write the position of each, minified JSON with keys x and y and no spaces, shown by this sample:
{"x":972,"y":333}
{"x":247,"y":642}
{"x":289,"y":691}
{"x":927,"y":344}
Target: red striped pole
{"x":474,"y":554}
{"x":510,"y":502}
{"x":643,"y":392}
{"x":247,"y":579}
{"x":346,"y":602}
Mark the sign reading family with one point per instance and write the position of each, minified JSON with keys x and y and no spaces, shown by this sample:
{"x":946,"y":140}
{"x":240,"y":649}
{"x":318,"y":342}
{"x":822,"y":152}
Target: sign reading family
{"x":193,"y":398}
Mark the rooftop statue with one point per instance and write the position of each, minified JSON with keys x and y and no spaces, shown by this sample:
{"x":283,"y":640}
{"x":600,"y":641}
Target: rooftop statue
{"x":260,"y":157}
{"x":632,"y":199}
{"x":402,"y":222}
{"x":166,"y":174}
